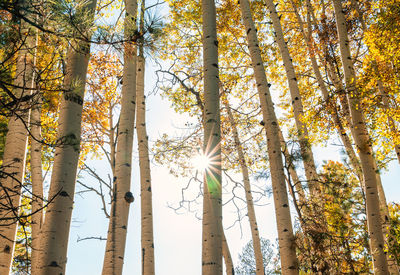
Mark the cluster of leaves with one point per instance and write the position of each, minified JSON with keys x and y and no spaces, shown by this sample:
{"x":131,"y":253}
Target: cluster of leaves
{"x":101,"y":107}
{"x":381,"y":77}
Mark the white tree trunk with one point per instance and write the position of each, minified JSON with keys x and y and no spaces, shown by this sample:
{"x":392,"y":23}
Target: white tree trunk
{"x":122,"y":196}
{"x":15,"y":150}
{"x":212,"y":202}
{"x":305,"y":146}
{"x":55,"y":229}
{"x":145,"y":175}
{"x":249,"y":197}
{"x":229,"y":269}
{"x":364,"y":146}
{"x":289,"y":263}
{"x":37,"y":182}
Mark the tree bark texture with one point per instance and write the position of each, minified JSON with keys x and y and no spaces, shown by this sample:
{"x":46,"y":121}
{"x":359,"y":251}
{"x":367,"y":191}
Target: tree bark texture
{"x":37,"y":182}
{"x":122,"y":196}
{"x":13,"y":166}
{"x":249,"y":197}
{"x":55,"y":229}
{"x":364,"y":147}
{"x":305,"y":146}
{"x":212,"y":202}
{"x":145,"y":175}
{"x":286,"y":239}
{"x":229,"y":269}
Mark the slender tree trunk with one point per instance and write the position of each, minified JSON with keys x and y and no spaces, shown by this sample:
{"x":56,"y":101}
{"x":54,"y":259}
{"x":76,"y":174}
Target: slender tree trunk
{"x":296,"y":182}
{"x":385,"y":223}
{"x":386,"y":104}
{"x":331,"y":103}
{"x":212,"y":204}
{"x":249,"y":197}
{"x":289,"y":263}
{"x":55,"y":229}
{"x":329,"y":61}
{"x":112,"y":140}
{"x":12,"y":170}
{"x":144,"y":162}
{"x":122,"y":196}
{"x":230,"y":270}
{"x":364,"y":146}
{"x":37,"y":182}
{"x":305,"y":146}
{"x":391,"y":259}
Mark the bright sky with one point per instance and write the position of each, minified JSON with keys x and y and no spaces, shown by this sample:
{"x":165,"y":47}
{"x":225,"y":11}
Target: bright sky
{"x":177,"y":237}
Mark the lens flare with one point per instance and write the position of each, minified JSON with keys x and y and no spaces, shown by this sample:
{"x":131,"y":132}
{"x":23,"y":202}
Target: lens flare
{"x":201,"y":162}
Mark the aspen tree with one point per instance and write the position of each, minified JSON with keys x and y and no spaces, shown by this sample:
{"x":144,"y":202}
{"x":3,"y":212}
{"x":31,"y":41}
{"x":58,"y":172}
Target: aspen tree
{"x":144,"y":162}
{"x":13,"y":165}
{"x":212,"y":201}
{"x":122,"y":196}
{"x":384,"y":211}
{"x":289,"y":263}
{"x":364,"y":146}
{"x":249,"y":197}
{"x":37,"y":182}
{"x":305,"y":146}
{"x":229,"y":269}
{"x":55,"y":229}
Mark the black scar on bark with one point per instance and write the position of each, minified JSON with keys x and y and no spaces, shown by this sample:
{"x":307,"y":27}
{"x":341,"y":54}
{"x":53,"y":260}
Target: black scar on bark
{"x":53,"y":263}
{"x":64,"y":194}
{"x":129,"y":197}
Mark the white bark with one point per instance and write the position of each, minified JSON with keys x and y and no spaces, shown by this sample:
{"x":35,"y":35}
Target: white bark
{"x":55,"y":229}
{"x":249,"y":197}
{"x":145,"y":175}
{"x":305,"y":146}
{"x":122,"y":196}
{"x":364,"y":146}
{"x":212,"y":202}
{"x":15,"y":150}
{"x":229,"y":269}
{"x":289,"y":263}
{"x":37,"y":182}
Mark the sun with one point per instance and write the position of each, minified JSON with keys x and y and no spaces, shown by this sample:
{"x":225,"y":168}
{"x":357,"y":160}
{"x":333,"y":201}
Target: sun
{"x":201,"y":162}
